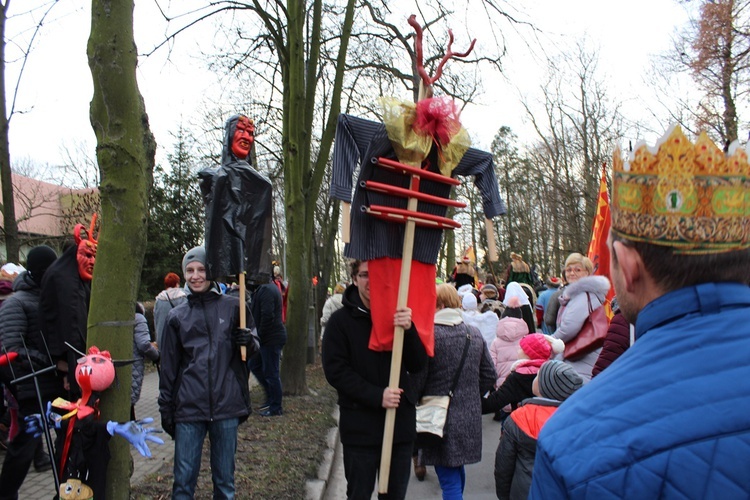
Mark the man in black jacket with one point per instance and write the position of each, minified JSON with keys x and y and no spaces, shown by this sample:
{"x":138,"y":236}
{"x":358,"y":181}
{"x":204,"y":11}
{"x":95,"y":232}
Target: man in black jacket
{"x":267,"y":315}
{"x":360,"y":376}
{"x":20,"y":333}
{"x":64,"y":306}
{"x":203,"y":383}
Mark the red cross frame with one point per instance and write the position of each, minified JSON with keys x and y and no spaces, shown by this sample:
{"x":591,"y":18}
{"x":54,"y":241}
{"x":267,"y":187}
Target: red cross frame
{"x":412,"y":218}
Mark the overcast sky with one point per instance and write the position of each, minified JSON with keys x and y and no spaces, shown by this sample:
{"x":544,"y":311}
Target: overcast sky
{"x":54,"y":95}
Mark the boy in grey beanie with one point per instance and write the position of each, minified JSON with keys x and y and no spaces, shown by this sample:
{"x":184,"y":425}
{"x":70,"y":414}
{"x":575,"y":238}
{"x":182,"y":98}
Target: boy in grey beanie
{"x":203,"y":384}
{"x":195,"y":254}
{"x":556,"y":380}
{"x":514,"y":459}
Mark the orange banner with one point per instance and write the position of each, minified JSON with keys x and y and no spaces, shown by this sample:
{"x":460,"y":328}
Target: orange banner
{"x":598,"y":251}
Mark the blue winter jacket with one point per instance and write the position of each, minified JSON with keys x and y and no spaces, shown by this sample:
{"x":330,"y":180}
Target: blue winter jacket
{"x":670,"y":418}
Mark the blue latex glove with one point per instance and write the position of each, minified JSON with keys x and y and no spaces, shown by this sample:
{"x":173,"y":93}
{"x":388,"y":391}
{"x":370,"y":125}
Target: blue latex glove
{"x":136,"y":434}
{"x":34,"y":422}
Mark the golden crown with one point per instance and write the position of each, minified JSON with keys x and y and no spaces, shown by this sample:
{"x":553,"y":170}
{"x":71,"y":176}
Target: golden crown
{"x":692,"y":197}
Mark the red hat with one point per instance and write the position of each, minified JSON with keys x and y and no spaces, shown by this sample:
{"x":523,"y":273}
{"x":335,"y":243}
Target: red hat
{"x":536,"y":346}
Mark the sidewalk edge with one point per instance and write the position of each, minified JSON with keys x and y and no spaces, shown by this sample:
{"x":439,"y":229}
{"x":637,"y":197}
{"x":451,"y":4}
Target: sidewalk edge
{"x":315,"y":489}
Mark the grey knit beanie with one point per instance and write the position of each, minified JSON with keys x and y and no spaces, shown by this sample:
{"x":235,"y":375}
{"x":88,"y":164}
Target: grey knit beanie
{"x":558,"y":380}
{"x":194,"y":254}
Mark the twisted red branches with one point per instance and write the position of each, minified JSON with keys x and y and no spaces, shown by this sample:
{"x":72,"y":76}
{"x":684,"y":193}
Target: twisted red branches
{"x":428,"y":81}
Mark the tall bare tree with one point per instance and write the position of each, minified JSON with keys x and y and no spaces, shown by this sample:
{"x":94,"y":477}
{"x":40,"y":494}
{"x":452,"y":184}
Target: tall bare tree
{"x":125,"y":153}
{"x":577,"y":125}
{"x":10,"y":224}
{"x":302,"y":174}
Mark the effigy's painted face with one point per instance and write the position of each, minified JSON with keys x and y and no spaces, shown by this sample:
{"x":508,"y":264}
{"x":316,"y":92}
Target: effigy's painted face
{"x":86,"y":257}
{"x":95,"y":371}
{"x":242,"y":142}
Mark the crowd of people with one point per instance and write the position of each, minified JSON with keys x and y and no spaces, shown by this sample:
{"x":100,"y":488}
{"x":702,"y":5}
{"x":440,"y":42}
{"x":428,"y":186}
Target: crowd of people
{"x":492,"y":352}
{"x":517,"y":369}
{"x":203,"y":379}
{"x":652,"y":409}
{"x":488,"y":355}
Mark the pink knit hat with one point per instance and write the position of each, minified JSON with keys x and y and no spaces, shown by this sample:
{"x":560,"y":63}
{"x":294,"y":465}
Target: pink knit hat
{"x":536,"y":346}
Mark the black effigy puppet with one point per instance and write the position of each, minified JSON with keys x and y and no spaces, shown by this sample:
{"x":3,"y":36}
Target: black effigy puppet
{"x":238,"y":203}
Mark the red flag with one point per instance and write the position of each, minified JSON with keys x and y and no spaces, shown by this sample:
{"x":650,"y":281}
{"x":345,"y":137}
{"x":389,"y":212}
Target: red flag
{"x":598,"y":251}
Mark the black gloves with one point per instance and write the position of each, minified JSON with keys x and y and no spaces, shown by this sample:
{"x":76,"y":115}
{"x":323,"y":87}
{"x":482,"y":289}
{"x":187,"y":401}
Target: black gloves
{"x":167,"y":423}
{"x":241,"y":336}
{"x":247,"y":337}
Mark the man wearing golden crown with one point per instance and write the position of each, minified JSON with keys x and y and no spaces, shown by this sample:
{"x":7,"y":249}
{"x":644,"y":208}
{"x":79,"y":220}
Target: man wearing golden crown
{"x":669,"y":418}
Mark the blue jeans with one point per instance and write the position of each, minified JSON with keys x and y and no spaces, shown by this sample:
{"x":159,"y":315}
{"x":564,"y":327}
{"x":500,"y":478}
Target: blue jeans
{"x":188,"y":447}
{"x":266,"y":367}
{"x":452,"y":481}
{"x":361,"y":463}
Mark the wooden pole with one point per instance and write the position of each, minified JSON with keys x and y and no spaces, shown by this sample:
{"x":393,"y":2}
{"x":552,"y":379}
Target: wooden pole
{"x":491,"y":247}
{"x":398,"y":343}
{"x":243,"y":313}
{"x":346,"y":221}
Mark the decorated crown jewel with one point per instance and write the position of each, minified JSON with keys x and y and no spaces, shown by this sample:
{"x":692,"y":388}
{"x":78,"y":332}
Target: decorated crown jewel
{"x":692,"y":197}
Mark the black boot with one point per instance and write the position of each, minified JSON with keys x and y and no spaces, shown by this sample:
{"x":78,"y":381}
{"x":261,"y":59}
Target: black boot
{"x":419,"y":469}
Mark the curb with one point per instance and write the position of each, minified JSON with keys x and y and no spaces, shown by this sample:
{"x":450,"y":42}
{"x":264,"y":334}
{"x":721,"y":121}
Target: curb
{"x":315,"y":489}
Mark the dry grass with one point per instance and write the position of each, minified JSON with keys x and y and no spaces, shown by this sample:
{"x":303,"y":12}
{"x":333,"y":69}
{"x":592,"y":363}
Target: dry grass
{"x":275,"y":456}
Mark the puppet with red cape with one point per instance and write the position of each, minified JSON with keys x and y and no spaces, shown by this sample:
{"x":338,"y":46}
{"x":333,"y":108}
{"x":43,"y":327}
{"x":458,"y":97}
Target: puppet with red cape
{"x":407,"y":167}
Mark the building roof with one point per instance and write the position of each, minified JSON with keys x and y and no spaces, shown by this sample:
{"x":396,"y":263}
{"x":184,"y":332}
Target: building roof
{"x":39,"y":205}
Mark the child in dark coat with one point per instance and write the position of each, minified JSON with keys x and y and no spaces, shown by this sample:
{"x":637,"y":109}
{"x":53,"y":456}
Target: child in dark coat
{"x":514,"y":459}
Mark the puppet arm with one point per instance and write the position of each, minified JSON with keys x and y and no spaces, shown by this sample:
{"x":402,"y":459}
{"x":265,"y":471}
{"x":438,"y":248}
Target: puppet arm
{"x":136,"y":434}
{"x":34,"y":422}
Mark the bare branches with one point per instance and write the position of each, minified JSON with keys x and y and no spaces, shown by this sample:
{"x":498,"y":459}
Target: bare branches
{"x":172,"y":36}
{"x":26,"y":51}
{"x":449,"y":54}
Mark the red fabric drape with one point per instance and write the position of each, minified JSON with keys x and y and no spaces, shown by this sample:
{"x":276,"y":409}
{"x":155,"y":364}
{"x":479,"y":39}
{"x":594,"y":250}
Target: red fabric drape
{"x":384,"y":282}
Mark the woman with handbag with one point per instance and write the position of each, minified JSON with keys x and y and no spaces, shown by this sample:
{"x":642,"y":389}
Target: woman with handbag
{"x":461,"y":368}
{"x":582,"y":295}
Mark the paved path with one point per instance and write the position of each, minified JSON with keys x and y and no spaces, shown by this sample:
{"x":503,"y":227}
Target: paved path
{"x":480,"y":482}
{"x":480,"y":478}
{"x":42,"y":486}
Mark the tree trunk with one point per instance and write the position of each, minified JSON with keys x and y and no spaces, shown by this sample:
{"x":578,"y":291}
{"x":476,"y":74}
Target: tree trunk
{"x":325,"y":256}
{"x":302,"y":180}
{"x":299,"y":236}
{"x":10,"y":226}
{"x":125,"y":153}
